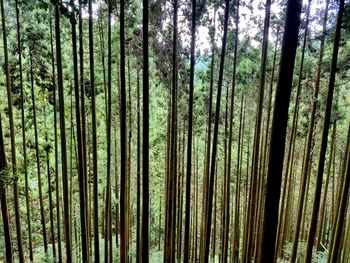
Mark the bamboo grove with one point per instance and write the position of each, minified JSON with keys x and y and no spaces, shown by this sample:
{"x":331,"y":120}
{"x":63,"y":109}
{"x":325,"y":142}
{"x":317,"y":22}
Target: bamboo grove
{"x":175,"y":131}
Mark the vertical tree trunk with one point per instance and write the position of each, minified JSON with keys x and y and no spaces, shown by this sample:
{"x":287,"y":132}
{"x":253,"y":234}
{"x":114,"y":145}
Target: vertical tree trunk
{"x":290,"y":155}
{"x":94,"y":136}
{"x":25,"y":163}
{"x":278,"y":136}
{"x":138,"y":177}
{"x":3,"y":200}
{"x":307,"y":156}
{"x":102,"y":51}
{"x":196,"y":210}
{"x":324,"y":140}
{"x":324,"y":200}
{"x":335,"y":204}
{"x":13,"y":140}
{"x":160,"y":223}
{"x":108,"y":223}
{"x":236,"y":230}
{"x":123,"y":152}
{"x":226,"y":225}
{"x":344,"y":195}
{"x":254,"y":202}
{"x":129,"y":174}
{"x":246,"y":198}
{"x":52,"y":225}
{"x":67,"y":221}
{"x":83,"y":121}
{"x":57,"y":183}
{"x":208,"y":219}
{"x":283,"y":219}
{"x":223,"y":223}
{"x":81,"y":177}
{"x":213,"y":240}
{"x":208,"y":141}
{"x":37,"y":155}
{"x":269,"y":106}
{"x":189,"y":137}
{"x":169,"y":253}
{"x":116,"y":188}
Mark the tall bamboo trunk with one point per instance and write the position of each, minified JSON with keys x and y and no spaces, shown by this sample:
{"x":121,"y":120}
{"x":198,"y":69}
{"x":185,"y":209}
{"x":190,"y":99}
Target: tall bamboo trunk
{"x":67,"y":221}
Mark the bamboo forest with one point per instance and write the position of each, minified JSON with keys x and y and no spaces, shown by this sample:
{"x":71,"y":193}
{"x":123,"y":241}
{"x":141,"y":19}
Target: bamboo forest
{"x":175,"y":131}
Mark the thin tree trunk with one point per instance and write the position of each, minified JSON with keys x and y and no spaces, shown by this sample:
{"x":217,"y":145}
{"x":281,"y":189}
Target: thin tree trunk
{"x":123,"y":151}
{"x":224,"y":211}
{"x":37,"y":155}
{"x":247,"y":195}
{"x":67,"y":221}
{"x":208,"y":142}
{"x":169,"y":253}
{"x":102,"y":50}
{"x":145,"y":138}
{"x":52,"y":225}
{"x":226,"y":222}
{"x":116,"y":189}
{"x":269,"y":107}
{"x":25,"y":163}
{"x":138,"y":177}
{"x":254,"y":204}
{"x":3,"y":199}
{"x":80,"y":145}
{"x":324,"y":200}
{"x":94,"y":136}
{"x":189,"y":137}
{"x":57,"y":183}
{"x":236,"y":230}
{"x":324,"y":140}
{"x":344,"y":196}
{"x":129,"y":177}
{"x":83,"y":121}
{"x":108,"y":223}
{"x":208,"y":219}
{"x":213,"y":240}
{"x":283,"y":220}
{"x":335,"y":204}
{"x":13,"y":140}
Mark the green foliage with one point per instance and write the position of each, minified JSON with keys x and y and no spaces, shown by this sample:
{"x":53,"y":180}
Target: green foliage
{"x":318,"y":256}
{"x":6,"y":177}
